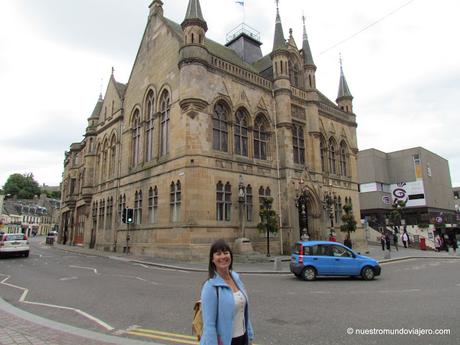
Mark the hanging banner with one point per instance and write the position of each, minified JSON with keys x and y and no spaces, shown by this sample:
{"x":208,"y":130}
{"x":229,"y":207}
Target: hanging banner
{"x":413,"y":193}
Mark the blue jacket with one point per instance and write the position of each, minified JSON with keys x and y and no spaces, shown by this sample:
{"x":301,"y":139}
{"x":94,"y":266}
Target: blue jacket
{"x":226,"y":309}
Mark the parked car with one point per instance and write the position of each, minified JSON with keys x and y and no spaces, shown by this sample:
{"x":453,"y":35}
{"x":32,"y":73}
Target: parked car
{"x":310,"y":259}
{"x":14,"y":244}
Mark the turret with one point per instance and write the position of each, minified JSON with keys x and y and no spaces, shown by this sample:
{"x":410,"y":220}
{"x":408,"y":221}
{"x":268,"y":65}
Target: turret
{"x":194,"y":26}
{"x":309,"y":65}
{"x":344,"y":97}
{"x":279,"y":54}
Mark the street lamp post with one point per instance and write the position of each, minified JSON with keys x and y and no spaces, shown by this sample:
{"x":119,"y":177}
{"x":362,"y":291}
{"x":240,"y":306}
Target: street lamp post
{"x":242,"y":244}
{"x":302,"y":200}
{"x":242,"y":202}
{"x":328,"y":204}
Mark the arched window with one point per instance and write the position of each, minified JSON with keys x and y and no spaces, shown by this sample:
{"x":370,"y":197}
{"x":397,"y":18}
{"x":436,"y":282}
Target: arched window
{"x":97,"y":171}
{"x":241,"y":132}
{"x":220,"y":128}
{"x":249,"y":203}
{"x":263,"y":194}
{"x":175,"y":201}
{"x":153,"y":205}
{"x":121,"y":206}
{"x":149,"y":126}
{"x":135,"y":139}
{"x":138,"y":207}
{"x":343,"y":159}
{"x":338,"y":211}
{"x":323,"y":150}
{"x":261,"y":138}
{"x":113,"y":152}
{"x":165,"y":108}
{"x":223,"y":201}
{"x":332,"y":158}
{"x":101,"y":214}
{"x":105,"y":152}
{"x":298,"y":144}
{"x":109,"y":214}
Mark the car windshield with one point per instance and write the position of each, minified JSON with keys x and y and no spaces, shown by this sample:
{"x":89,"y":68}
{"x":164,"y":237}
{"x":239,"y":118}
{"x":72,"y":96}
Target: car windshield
{"x":14,"y":237}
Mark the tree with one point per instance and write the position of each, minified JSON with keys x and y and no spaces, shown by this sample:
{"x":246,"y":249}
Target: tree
{"x":268,"y":220}
{"x":348,"y":223}
{"x":22,"y":186}
{"x":397,"y":212}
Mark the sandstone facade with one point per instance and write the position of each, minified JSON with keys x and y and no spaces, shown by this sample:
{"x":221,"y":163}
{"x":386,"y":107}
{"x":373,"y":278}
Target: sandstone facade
{"x":196,"y":120}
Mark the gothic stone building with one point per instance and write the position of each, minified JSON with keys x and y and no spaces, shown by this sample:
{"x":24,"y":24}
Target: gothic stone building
{"x":200,"y":135}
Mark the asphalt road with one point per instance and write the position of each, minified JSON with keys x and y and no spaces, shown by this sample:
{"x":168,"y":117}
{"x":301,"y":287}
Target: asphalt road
{"x":110,"y":295}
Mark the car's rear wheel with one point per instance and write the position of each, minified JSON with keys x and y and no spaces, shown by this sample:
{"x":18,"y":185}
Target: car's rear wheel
{"x":308,"y":273}
{"x":367,"y":273}
{"x":26,"y":254}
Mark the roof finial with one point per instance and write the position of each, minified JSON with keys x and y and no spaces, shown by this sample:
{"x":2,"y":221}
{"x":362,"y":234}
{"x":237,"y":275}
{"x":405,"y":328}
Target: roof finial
{"x":100,"y":91}
{"x":340,"y":61}
{"x":304,"y":28}
{"x":277,"y":7}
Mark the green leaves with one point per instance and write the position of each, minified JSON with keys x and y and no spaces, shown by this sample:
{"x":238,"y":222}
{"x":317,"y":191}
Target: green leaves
{"x":348,"y":220}
{"x":22,"y":186}
{"x":268,"y":217}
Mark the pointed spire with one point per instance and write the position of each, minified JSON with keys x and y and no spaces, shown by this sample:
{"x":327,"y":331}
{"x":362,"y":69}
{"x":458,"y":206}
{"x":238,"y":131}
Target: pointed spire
{"x":344,"y":91}
{"x":307,"y":56}
{"x":279,"y":42}
{"x":194,"y":15}
{"x":97,"y":108}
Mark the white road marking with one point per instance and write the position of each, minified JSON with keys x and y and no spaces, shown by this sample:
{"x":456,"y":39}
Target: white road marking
{"x":142,"y":265}
{"x":396,"y":291}
{"x":85,"y":268}
{"x":68,"y":278}
{"x":22,"y":299}
{"x":134,"y":277}
{"x":129,"y":277}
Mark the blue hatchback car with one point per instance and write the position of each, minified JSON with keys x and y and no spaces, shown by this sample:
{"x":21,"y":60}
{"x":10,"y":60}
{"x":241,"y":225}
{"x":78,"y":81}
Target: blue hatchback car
{"x":323,"y":258}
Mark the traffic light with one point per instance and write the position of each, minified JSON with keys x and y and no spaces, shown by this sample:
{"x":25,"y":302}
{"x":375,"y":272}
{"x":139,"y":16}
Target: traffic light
{"x":129,"y":216}
{"x":123,"y":215}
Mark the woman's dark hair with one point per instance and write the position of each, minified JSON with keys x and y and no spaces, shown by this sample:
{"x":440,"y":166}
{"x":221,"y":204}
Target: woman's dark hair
{"x":218,"y":246}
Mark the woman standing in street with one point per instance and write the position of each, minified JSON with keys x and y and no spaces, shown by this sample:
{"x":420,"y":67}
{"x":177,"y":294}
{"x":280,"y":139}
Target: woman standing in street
{"x":224,"y":301}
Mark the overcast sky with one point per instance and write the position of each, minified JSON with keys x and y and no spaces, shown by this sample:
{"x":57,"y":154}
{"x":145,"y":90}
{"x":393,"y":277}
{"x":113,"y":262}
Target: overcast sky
{"x":56,"y":56}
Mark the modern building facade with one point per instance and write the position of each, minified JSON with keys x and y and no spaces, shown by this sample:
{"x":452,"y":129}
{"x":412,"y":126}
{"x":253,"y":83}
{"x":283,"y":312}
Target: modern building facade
{"x":418,"y":177}
{"x":200,"y":135}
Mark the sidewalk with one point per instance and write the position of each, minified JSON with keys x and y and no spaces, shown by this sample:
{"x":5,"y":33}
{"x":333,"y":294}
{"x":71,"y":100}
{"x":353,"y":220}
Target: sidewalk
{"x":20,"y":327}
{"x":258,"y":264}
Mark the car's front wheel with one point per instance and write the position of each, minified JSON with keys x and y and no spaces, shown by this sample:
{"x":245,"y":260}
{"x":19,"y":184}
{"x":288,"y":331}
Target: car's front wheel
{"x":308,"y":273}
{"x":367,"y":273}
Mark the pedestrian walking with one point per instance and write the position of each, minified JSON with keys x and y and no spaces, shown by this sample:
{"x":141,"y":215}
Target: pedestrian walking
{"x":437,"y":243}
{"x":388,"y":242}
{"x":224,"y":301}
{"x":383,"y":241}
{"x":405,"y":239}
{"x":395,"y":240}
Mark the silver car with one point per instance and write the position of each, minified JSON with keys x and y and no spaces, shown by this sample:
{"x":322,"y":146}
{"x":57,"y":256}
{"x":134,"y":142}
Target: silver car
{"x":14,"y":244}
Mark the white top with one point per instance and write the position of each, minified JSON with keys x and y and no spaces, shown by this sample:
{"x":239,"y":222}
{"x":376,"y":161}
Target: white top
{"x":238,"y":316}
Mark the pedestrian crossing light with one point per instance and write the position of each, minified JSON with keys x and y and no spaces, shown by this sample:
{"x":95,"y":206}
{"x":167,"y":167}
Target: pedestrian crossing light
{"x":127,"y":216}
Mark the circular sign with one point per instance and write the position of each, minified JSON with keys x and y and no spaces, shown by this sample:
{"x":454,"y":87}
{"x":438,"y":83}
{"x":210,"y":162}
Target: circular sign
{"x":386,"y":200}
{"x":438,"y":219}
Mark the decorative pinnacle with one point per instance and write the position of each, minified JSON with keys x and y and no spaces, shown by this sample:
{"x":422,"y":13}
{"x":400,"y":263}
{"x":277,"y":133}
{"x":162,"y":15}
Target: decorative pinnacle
{"x":340,"y":61}
{"x":304,"y":28}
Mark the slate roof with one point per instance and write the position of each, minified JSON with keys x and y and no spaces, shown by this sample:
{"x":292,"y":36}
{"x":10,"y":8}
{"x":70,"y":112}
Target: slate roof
{"x":215,"y":48}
